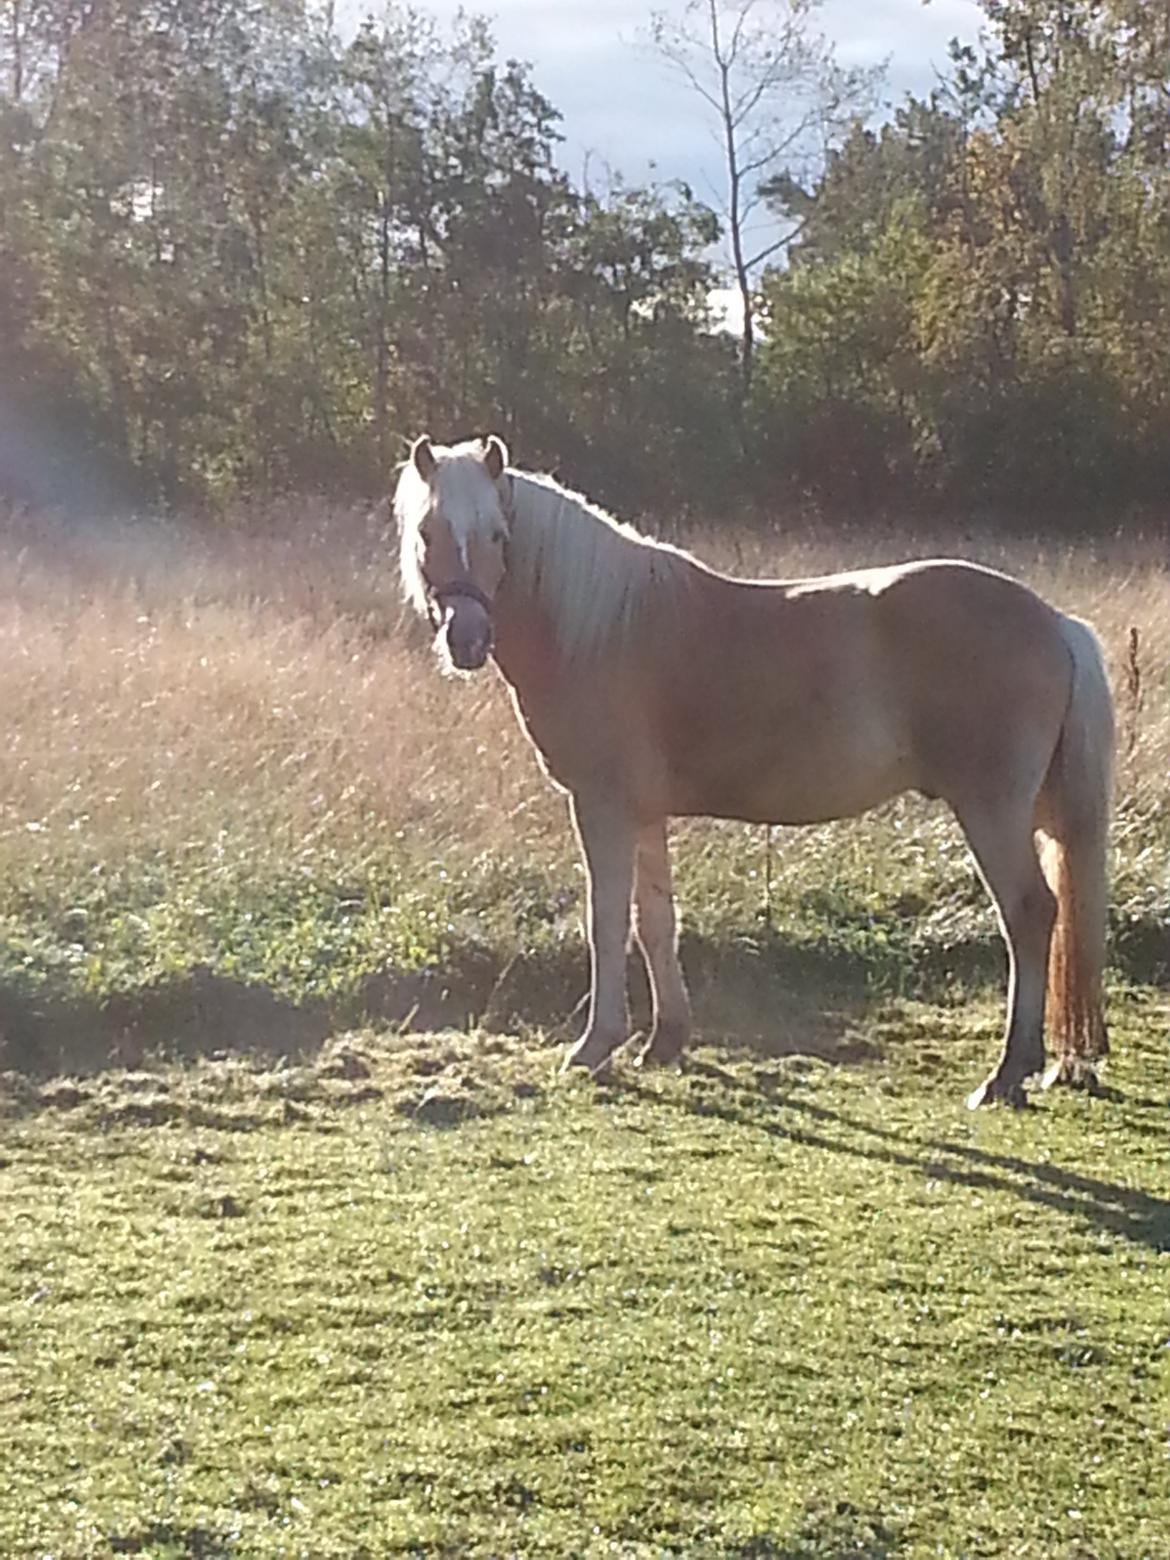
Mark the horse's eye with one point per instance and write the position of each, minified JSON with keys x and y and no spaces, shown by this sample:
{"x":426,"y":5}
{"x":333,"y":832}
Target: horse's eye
{"x":499,"y":536}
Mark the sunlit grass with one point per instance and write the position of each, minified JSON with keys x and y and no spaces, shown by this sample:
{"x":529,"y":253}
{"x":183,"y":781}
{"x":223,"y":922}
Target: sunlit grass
{"x":330,"y":1286}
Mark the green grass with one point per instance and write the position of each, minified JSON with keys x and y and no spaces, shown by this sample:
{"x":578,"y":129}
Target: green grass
{"x":95,"y":948}
{"x":307,"y":1250}
{"x":414,"y":1294}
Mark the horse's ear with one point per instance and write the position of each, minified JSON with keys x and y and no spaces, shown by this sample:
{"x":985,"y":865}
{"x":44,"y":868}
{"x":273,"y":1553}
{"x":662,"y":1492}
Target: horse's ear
{"x":423,"y":457}
{"x":495,"y":455}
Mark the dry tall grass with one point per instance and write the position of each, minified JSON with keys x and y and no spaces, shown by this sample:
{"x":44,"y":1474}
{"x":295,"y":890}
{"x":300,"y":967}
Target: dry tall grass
{"x":164,"y":693}
{"x":257,"y":688}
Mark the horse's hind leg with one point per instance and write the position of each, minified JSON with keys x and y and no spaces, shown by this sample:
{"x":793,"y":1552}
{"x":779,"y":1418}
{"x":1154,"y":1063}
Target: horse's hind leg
{"x":1004,"y":848}
{"x":656,"y":929}
{"x":607,"y":834}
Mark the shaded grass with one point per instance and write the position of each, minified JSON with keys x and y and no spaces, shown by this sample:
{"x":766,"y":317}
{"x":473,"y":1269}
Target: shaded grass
{"x":415,"y":1295}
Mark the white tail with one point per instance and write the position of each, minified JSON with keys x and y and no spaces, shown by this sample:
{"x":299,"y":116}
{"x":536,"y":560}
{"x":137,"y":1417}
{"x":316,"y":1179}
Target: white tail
{"x":1076,"y":807}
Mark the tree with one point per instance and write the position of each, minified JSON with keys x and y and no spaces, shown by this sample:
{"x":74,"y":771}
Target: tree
{"x":975,"y":299}
{"x":778,"y":98}
{"x":239,"y":254}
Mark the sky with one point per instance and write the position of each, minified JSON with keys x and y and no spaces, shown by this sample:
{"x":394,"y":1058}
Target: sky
{"x":622,"y":108}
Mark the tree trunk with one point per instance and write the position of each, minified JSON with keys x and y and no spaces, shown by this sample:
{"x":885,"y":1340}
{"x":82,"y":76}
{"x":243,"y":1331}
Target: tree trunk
{"x":16,"y":40}
{"x":734,"y":214}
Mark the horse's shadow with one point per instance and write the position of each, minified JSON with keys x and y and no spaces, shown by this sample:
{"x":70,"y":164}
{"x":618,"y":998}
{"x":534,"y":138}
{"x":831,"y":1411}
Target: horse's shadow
{"x":1138,"y":1216}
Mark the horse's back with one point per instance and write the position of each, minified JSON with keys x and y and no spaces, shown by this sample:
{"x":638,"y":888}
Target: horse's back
{"x":773,"y":702}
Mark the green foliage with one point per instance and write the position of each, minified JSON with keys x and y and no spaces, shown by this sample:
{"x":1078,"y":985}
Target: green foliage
{"x":984,"y":275}
{"x":839,"y":378}
{"x":242,"y":254}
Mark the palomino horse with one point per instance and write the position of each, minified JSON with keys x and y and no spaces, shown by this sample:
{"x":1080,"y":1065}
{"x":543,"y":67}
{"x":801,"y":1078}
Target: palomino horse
{"x":651,"y":686}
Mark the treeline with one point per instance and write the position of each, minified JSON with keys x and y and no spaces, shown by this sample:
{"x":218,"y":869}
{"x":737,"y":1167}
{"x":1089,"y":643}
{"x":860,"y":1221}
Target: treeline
{"x":978,"y":306}
{"x":240,"y":254}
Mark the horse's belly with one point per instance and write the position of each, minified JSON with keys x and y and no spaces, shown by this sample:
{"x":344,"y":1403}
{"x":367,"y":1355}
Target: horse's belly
{"x":790,"y":805}
{"x":825,"y":777}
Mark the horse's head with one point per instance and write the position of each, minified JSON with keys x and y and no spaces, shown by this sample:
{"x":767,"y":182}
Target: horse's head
{"x":453,"y":509}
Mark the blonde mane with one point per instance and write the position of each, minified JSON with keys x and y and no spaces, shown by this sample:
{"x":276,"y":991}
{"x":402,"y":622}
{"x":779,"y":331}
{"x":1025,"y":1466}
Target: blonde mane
{"x":586,"y":570}
{"x":409,"y":507}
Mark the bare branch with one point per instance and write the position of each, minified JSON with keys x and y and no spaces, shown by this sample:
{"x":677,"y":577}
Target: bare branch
{"x":741,"y":22}
{"x":774,"y":150}
{"x":747,"y":102}
{"x":716,"y":41}
{"x":781,"y":243}
{"x":677,"y":59}
{"x":775,"y":96}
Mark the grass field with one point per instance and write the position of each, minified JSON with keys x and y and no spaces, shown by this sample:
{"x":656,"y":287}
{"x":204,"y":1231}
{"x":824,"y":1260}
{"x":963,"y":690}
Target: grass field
{"x":418,"y":1296}
{"x":308,"y":1251}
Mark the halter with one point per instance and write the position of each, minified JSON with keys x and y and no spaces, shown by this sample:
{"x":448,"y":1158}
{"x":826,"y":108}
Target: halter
{"x":439,"y":595}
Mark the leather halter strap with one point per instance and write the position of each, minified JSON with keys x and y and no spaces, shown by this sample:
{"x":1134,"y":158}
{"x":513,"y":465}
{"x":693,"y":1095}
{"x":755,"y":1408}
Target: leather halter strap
{"x":466,"y":588}
{"x":440,"y":595}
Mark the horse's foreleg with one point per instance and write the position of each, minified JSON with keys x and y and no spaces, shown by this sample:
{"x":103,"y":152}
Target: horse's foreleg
{"x":1005,"y":850}
{"x":607,"y":834}
{"x":656,"y":929}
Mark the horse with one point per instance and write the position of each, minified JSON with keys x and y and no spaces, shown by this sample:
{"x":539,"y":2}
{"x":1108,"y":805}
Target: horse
{"x":652,"y":686}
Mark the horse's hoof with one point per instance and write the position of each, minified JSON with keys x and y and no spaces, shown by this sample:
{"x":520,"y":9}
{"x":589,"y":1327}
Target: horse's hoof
{"x":664,"y":1047}
{"x":1072,"y":1072}
{"x":584,"y":1058}
{"x":995,"y":1091}
{"x":646,"y":1059}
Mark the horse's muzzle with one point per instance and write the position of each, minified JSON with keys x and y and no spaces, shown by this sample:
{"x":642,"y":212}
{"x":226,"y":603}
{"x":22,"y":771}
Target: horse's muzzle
{"x":469,"y":634}
{"x":461,"y":614}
